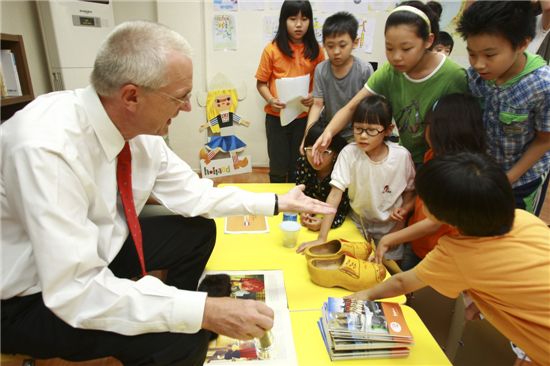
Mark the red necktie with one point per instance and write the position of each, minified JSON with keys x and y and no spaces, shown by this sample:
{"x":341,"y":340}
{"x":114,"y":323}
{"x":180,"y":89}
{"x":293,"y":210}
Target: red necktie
{"x":124,"y":181}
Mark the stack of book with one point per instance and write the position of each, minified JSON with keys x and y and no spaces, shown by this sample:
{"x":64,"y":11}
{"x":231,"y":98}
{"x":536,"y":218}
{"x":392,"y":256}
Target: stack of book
{"x":10,"y":84}
{"x":355,"y":329}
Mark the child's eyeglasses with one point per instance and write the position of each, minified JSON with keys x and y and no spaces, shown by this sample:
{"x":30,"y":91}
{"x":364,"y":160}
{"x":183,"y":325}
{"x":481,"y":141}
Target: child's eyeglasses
{"x":180,"y":101}
{"x":309,"y":150}
{"x":369,"y":131}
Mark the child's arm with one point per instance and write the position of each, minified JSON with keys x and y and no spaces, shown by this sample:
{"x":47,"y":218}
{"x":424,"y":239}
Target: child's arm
{"x":312,"y":117}
{"x":263,"y":89}
{"x":337,"y":123}
{"x":412,"y":232}
{"x":333,"y":200}
{"x":537,"y":148}
{"x":399,"y":284}
{"x":400,"y":213}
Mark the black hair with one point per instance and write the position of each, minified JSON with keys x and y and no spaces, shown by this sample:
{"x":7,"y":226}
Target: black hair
{"x":445,"y":39}
{"x":456,"y":125}
{"x":340,"y":23}
{"x":406,"y":17}
{"x":436,"y":8}
{"x":468,"y":191}
{"x":513,"y":20}
{"x":292,"y":8}
{"x":374,"y":109}
{"x":316,"y":130}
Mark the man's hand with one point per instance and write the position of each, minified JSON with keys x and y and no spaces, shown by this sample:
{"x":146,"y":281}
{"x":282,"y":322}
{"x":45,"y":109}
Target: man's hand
{"x":310,"y":221}
{"x":296,"y":201}
{"x":235,"y":318}
{"x":322,"y":143}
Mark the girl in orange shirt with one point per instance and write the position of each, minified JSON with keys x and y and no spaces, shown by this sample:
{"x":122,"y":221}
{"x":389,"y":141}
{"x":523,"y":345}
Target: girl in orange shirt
{"x":294,"y":52}
{"x":453,"y":125}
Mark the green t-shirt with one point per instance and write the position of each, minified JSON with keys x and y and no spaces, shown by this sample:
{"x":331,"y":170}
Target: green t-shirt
{"x":410,"y":99}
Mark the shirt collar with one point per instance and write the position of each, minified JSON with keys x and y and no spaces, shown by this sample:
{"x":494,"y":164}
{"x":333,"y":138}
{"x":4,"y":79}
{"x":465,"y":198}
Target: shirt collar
{"x":108,"y":135}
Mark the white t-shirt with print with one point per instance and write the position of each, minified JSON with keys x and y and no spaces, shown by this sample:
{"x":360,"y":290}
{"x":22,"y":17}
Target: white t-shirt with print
{"x":374,"y":188}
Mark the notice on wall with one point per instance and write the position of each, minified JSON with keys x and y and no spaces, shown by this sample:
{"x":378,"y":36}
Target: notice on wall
{"x":226,"y":5}
{"x":224,"y":32}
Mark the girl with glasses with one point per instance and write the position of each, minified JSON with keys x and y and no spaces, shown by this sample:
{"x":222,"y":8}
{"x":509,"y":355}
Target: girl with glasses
{"x":378,"y":175}
{"x":316,"y":177}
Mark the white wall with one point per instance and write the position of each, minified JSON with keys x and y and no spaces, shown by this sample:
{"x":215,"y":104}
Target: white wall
{"x":21,"y":17}
{"x":193,"y":19}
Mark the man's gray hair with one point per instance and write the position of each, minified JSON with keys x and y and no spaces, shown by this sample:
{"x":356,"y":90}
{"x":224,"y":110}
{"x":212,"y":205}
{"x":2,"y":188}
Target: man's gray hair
{"x":136,"y":53}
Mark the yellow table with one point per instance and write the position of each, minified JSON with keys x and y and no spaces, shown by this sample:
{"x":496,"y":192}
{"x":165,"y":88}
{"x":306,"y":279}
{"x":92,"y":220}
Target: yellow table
{"x":265,"y":252}
{"x":311,"y":350}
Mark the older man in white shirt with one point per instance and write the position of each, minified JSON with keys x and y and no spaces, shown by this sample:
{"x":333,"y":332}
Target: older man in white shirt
{"x":67,"y":256}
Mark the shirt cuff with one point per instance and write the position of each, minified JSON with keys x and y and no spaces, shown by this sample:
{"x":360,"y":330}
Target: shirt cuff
{"x":188,"y":311}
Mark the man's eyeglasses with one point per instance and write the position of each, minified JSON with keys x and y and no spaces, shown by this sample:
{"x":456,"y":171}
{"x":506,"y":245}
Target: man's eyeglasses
{"x":309,"y":150}
{"x":369,"y":131}
{"x":180,"y":101}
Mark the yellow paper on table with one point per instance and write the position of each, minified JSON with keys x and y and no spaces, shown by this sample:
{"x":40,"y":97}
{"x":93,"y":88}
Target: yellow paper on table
{"x":246,"y":224}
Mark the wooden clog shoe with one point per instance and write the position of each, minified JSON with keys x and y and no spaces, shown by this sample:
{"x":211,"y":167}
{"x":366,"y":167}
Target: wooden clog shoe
{"x":335,"y":248}
{"x":345,"y":271}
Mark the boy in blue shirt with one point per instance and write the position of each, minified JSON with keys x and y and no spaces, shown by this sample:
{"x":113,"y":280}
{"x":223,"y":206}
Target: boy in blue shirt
{"x":513,"y":87}
{"x":340,"y":77}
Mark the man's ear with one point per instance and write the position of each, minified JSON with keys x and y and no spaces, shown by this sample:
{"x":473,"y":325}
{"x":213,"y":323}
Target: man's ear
{"x":129,"y":95}
{"x":356,"y":43}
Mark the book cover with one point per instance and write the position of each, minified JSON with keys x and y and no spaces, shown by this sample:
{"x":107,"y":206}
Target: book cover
{"x":266,"y":286}
{"x":365,"y":320}
{"x":246,"y":224}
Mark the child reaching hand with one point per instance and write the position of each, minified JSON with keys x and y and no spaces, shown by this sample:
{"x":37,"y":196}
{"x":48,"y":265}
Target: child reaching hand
{"x":316,"y":177}
{"x":294,"y":52}
{"x":453,"y":125}
{"x":379,"y":176}
{"x":500,"y":257}
{"x":413,"y":78}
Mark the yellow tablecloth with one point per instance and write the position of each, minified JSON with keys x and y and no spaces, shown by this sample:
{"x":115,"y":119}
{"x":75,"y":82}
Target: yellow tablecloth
{"x":265,"y":251}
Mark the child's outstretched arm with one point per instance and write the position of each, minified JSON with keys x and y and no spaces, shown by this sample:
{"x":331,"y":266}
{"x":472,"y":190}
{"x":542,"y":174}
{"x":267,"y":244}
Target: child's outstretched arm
{"x":337,"y":123}
{"x":312,"y":117}
{"x":399,"y":284}
{"x":333,"y":199}
{"x":412,"y":232}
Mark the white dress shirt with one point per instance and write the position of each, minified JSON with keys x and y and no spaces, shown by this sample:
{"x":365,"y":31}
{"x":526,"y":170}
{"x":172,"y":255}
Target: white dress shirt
{"x":62,"y":220}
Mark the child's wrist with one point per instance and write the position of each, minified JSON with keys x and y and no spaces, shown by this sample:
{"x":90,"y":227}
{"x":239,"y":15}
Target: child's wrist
{"x":270,"y":100}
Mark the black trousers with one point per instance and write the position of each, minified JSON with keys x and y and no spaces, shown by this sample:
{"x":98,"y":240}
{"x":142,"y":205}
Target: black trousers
{"x":179,"y":245}
{"x":283,"y":144}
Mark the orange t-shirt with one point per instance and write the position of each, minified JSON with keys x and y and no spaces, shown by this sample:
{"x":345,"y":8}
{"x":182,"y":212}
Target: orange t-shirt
{"x":507,"y":277}
{"x":275,"y":65}
{"x":422,"y":246}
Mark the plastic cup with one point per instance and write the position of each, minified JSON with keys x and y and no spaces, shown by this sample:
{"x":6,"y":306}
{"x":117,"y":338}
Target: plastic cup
{"x":290,"y":231}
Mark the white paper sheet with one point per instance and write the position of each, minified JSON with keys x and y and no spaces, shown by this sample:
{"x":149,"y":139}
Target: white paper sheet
{"x":291,"y":91}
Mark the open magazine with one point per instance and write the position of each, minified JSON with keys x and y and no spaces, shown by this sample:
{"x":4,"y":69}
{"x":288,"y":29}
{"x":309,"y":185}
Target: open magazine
{"x":266,"y":286}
